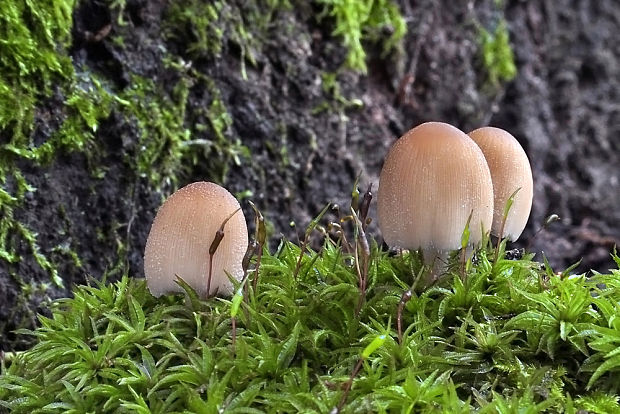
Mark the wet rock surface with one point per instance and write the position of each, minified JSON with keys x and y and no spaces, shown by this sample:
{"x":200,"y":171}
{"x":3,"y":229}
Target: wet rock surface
{"x":307,"y":147}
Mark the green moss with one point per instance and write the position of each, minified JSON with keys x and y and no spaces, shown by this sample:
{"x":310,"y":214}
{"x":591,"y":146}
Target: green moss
{"x":219,"y":146}
{"x":490,"y":336}
{"x":37,"y":35}
{"x":202,"y":30}
{"x":497,"y":55}
{"x":358,"y":21}
{"x":160,"y":122}
{"x":84,"y":109}
{"x":168,"y":141}
{"x":197,"y":25}
{"x":337,"y":101}
{"x":32,"y":59}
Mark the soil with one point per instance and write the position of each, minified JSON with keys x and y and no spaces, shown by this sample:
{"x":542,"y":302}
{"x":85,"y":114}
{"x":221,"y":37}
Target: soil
{"x":563,"y":107}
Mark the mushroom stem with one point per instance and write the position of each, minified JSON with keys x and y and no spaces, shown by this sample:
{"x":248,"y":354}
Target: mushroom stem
{"x":436,"y":262}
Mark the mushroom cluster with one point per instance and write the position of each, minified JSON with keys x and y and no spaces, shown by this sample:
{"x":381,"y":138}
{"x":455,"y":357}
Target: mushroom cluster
{"x":200,"y":235}
{"x":436,"y":182}
{"x":436,"y":179}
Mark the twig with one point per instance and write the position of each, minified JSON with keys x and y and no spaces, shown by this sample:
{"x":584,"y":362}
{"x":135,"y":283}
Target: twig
{"x":219,"y":235}
{"x":261,"y":237}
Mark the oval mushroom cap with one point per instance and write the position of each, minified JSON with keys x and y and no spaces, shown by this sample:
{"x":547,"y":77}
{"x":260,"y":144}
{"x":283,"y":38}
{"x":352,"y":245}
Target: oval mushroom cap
{"x":433,"y":177}
{"x":510,"y":170}
{"x":180,"y":237}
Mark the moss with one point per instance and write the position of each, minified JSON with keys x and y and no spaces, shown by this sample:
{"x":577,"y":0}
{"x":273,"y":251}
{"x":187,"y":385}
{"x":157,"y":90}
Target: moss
{"x":358,"y":21}
{"x":84,"y":109}
{"x":203,"y":30}
{"x":497,"y":55}
{"x":198,"y":25}
{"x":337,"y":101}
{"x":220,"y":147}
{"x":33,"y":58}
{"x":38,"y":35}
{"x":159,"y":121}
{"x":168,"y":141}
{"x":490,"y":336}
{"x":86,"y":106}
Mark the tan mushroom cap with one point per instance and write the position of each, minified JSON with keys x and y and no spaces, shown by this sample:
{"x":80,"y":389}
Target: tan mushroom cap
{"x":510,"y":170}
{"x":433,"y":177}
{"x":180,"y":237}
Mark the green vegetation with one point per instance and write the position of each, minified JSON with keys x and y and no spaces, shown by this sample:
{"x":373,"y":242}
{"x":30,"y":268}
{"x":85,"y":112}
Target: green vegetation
{"x":32,"y":60}
{"x":202,"y":29}
{"x":491,"y":336}
{"x":357,"y":21}
{"x":497,"y":55}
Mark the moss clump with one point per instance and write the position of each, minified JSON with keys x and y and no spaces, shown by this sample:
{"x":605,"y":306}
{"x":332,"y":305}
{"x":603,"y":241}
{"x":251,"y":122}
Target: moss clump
{"x":357,"y":21}
{"x":173,"y":137}
{"x":203,"y":31}
{"x":497,"y":55}
{"x":492,"y":336}
{"x":159,"y":119}
{"x":32,"y":58}
{"x":37,"y":37}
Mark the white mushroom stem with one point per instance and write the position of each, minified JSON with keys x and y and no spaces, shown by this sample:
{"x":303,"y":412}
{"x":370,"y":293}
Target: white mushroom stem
{"x":436,"y":262}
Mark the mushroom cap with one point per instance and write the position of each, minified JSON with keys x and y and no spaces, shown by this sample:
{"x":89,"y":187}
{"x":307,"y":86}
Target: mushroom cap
{"x":433,"y":178}
{"x":180,"y":237}
{"x":510,"y":170}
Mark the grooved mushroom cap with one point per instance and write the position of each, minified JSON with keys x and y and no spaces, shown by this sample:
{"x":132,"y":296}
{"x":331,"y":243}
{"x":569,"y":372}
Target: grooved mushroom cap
{"x":180,"y":237}
{"x":433,"y":177}
{"x":510,"y":170}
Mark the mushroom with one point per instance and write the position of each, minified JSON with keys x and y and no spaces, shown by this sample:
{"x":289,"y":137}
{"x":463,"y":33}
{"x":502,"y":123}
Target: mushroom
{"x":510,"y":171}
{"x":433,"y":181}
{"x":182,"y":241}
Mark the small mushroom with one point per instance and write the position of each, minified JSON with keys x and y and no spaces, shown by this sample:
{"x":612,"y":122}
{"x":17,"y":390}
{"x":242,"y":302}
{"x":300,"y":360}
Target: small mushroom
{"x":434,"y":177}
{"x":510,"y":171}
{"x":182,"y":238}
